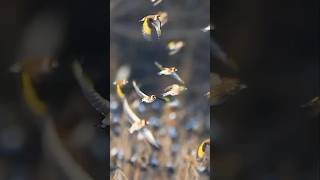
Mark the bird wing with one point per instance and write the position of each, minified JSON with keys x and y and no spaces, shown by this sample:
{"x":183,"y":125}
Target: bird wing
{"x":139,"y":92}
{"x":177,"y":77}
{"x":157,"y":25}
{"x":150,"y":138}
{"x":159,"y":65}
{"x":129,"y":111}
{"x":94,"y":98}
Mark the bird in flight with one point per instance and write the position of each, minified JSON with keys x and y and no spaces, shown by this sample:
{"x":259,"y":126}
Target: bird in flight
{"x":139,"y":125}
{"x":171,"y":71}
{"x":173,"y":90}
{"x":151,"y":27}
{"x":144,"y":98}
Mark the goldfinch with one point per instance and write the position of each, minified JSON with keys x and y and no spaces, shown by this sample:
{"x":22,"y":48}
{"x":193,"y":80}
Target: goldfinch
{"x":171,"y":71}
{"x":174,"y":47}
{"x":173,"y":90}
{"x":144,"y":98}
{"x":139,"y":125}
{"x":201,"y":150}
{"x":119,"y":84}
{"x":151,"y":27}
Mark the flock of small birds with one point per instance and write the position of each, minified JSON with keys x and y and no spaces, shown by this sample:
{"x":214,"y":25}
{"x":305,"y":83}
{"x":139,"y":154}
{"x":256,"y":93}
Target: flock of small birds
{"x":148,"y":138}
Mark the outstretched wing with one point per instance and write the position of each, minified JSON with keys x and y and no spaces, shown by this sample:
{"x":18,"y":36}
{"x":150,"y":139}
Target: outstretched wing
{"x":129,"y":111}
{"x":150,"y":138}
{"x":139,"y":92}
{"x":94,"y":98}
{"x":157,"y":25}
{"x":159,"y":65}
{"x":177,"y":77}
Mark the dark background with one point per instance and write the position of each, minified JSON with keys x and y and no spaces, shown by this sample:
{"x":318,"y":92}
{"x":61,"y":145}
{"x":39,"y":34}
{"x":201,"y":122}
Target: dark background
{"x":264,"y":132}
{"x":84,"y":36}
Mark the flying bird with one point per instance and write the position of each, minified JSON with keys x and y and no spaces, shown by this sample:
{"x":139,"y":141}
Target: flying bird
{"x":223,"y":88}
{"x":139,"y":125}
{"x":173,"y":90}
{"x":119,"y":84}
{"x":201,"y":150}
{"x":174,"y":47}
{"x":151,"y":27}
{"x":145,"y":98}
{"x":171,"y":71}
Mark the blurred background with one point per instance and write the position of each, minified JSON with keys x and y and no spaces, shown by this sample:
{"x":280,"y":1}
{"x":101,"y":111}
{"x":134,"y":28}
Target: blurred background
{"x":69,"y":144}
{"x":263,"y":131}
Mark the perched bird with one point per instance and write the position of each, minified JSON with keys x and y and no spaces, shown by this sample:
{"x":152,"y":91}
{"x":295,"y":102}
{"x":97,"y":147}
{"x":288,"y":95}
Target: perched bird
{"x":171,"y":71}
{"x":201,"y":150}
{"x":151,"y":27}
{"x":223,"y":88}
{"x":313,"y":105}
{"x":173,"y":90}
{"x":139,"y":125}
{"x":174,"y":47}
{"x":95,"y":99}
{"x":119,"y":84}
{"x":145,"y":98}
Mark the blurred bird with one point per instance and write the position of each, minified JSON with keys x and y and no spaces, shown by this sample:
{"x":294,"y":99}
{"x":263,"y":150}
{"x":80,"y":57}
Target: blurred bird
{"x":119,"y":175}
{"x":169,"y":71}
{"x":208,"y":28}
{"x":123,"y":72}
{"x":151,"y":27}
{"x":222,"y":88}
{"x":313,"y":105}
{"x":145,"y":98}
{"x":174,"y":47}
{"x":139,"y":125}
{"x":220,"y":55}
{"x":31,"y":97}
{"x":119,"y":84}
{"x":163,"y":17}
{"x":35,"y":66}
{"x":95,"y":99}
{"x":156,"y":2}
{"x":201,"y":150}
{"x":173,"y":90}
{"x":41,"y":42}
